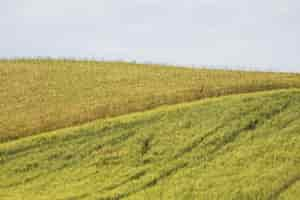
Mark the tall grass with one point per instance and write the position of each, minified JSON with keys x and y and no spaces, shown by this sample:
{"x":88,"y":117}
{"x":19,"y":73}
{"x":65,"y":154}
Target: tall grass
{"x":42,"y":95}
{"x":237,"y":147}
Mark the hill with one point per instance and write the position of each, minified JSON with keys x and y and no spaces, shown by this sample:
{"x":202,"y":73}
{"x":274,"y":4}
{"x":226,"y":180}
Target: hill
{"x":42,"y":95}
{"x":235,"y":147}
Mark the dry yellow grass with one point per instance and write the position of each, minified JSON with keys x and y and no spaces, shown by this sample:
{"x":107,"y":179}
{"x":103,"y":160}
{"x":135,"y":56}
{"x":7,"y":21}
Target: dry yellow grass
{"x":42,"y":95}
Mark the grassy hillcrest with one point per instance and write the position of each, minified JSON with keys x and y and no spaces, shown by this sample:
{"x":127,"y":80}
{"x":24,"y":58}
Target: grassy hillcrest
{"x":235,"y":147}
{"x":42,"y":95}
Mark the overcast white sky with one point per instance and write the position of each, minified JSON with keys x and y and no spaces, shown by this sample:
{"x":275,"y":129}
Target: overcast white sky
{"x":261,"y":34}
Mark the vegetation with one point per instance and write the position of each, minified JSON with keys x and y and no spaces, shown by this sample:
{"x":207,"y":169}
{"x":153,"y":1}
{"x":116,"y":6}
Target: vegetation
{"x":41,"y":95}
{"x":236,"y":147}
{"x":241,"y":146}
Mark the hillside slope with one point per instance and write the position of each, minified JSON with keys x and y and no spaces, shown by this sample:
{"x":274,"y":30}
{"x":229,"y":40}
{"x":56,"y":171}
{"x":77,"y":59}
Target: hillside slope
{"x":42,"y":95}
{"x":235,"y":147}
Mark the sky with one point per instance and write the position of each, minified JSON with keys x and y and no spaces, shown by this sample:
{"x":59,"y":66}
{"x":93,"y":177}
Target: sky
{"x":237,"y":34}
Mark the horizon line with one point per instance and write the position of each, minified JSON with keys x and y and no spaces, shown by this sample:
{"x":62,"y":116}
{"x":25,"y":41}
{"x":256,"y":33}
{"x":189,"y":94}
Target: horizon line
{"x":228,"y":67}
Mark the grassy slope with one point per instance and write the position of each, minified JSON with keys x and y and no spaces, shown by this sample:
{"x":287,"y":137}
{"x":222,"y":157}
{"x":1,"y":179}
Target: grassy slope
{"x":235,"y":147}
{"x":41,"y":95}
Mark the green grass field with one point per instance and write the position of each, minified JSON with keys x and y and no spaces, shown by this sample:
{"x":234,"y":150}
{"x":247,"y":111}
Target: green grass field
{"x":42,"y":95}
{"x":227,"y":135}
{"x":236,"y":147}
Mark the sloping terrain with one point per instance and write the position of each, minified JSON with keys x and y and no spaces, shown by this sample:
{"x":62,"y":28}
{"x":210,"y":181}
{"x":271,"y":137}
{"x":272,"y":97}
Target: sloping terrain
{"x":235,"y":147}
{"x":41,"y":95}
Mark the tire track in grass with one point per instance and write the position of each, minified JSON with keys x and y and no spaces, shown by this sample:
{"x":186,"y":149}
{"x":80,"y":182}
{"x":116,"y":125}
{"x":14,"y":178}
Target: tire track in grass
{"x":117,"y":140}
{"x":25,"y":181}
{"x":124,"y":182}
{"x":148,"y":184}
{"x":249,"y":126}
{"x":276,"y":194}
{"x":195,"y":143}
{"x":12,"y":154}
{"x":77,"y":197}
{"x":68,"y":157}
{"x":199,"y":141}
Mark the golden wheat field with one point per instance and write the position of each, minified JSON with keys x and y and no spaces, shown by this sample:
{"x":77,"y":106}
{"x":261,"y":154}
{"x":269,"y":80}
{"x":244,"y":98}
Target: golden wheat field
{"x":42,"y":95}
